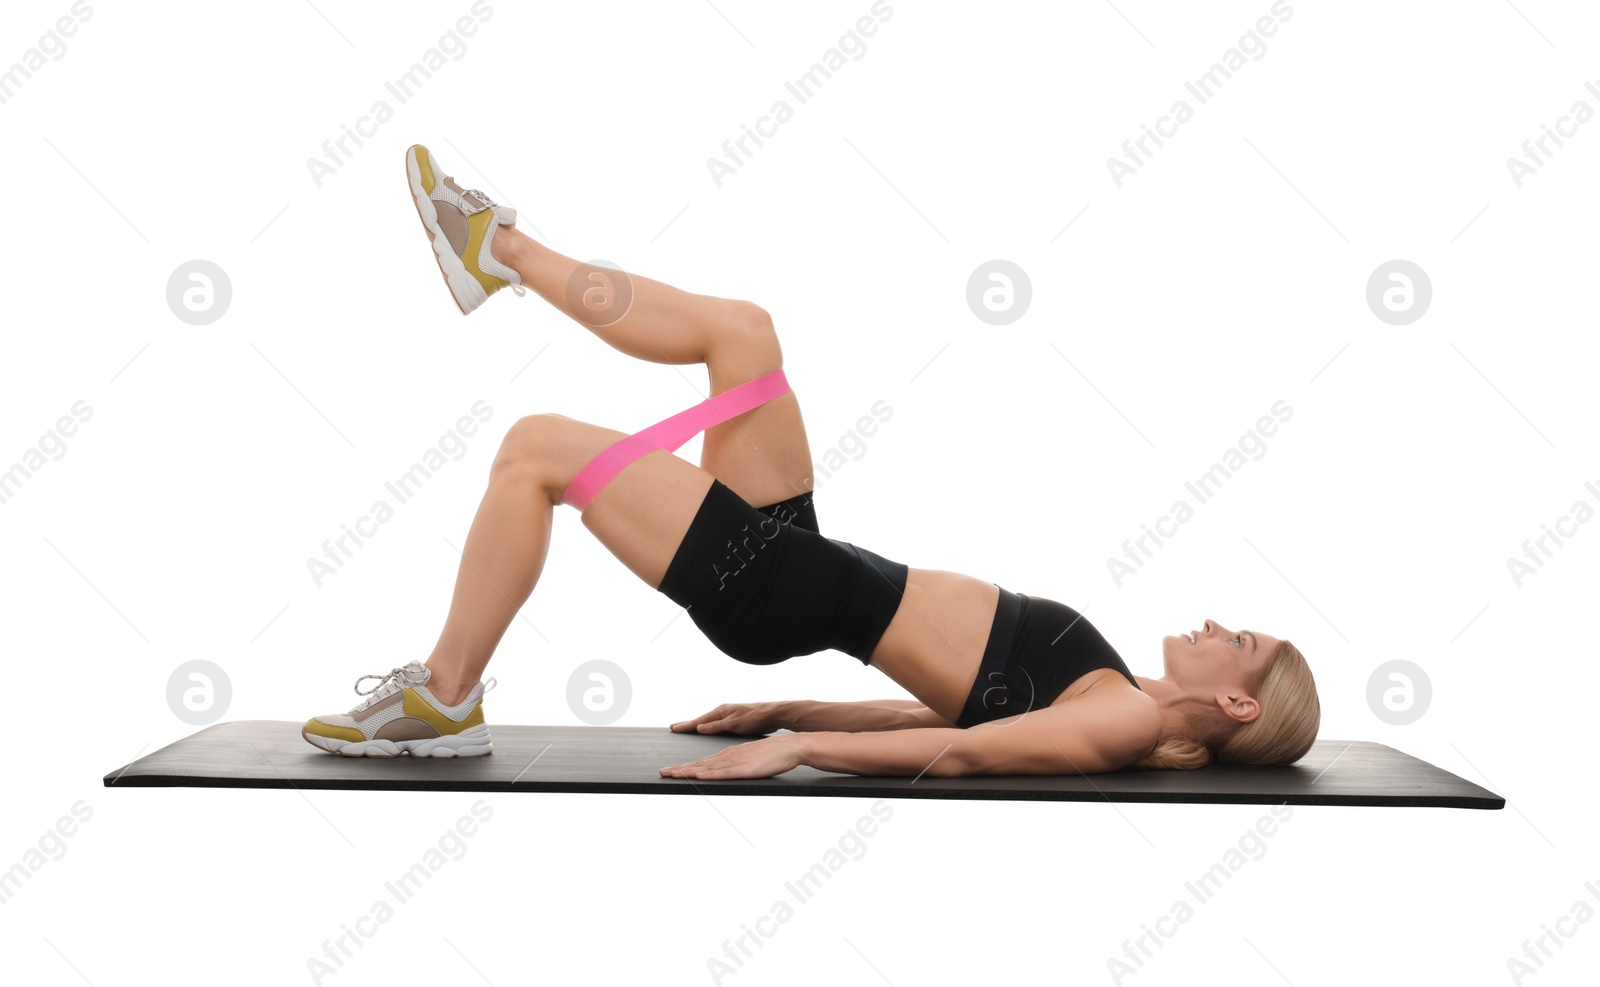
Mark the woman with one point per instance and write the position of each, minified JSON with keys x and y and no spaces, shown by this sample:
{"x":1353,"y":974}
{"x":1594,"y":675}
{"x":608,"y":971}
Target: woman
{"x":1006,"y":683}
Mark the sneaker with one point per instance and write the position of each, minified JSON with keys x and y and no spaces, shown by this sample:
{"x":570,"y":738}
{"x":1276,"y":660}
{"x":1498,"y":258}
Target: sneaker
{"x":461,"y":223}
{"x":400,"y":716}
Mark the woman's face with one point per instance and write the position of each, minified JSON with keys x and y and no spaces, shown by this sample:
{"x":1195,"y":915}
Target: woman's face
{"x":1214,"y":658}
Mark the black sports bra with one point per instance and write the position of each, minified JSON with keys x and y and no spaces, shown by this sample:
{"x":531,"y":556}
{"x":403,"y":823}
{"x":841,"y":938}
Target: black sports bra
{"x":1037,"y":648}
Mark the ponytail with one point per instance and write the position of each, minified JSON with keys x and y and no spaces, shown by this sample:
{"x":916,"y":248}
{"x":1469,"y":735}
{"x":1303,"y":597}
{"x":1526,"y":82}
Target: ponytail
{"x":1178,"y":753}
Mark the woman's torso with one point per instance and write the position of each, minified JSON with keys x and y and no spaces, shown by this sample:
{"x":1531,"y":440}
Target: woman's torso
{"x":935,"y":647}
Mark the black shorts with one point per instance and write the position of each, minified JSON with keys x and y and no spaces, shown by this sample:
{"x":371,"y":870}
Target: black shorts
{"x":764,"y":585}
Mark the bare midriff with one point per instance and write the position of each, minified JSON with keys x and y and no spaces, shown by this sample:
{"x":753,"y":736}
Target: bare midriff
{"x":935,"y":642}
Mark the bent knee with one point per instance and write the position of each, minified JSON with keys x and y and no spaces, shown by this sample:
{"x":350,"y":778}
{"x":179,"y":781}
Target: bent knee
{"x":532,"y":438}
{"x":750,"y":318}
{"x":550,"y":449}
{"x":750,"y":339}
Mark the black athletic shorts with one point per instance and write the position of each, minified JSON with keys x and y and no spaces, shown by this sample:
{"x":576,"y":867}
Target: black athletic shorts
{"x":764,"y":585}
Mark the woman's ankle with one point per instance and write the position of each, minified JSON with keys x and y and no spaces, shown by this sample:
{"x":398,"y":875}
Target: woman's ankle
{"x":509,"y":246}
{"x":446,"y":684}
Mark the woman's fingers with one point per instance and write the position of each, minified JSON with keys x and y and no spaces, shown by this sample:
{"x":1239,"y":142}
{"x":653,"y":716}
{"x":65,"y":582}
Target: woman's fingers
{"x":696,"y":769}
{"x":691,"y":724}
{"x":757,"y":759}
{"x":729,"y":717}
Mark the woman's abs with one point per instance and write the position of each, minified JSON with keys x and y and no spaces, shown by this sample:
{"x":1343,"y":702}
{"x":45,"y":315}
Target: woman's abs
{"x":935,"y":642}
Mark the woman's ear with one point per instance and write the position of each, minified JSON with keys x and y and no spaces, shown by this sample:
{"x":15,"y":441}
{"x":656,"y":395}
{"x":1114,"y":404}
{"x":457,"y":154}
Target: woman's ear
{"x":1238,"y":706}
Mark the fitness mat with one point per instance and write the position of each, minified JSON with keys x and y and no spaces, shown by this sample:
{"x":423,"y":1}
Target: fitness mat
{"x":271,"y":754}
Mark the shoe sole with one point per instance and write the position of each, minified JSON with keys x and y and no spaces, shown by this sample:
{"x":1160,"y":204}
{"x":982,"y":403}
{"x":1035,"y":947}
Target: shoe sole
{"x":471,"y":742}
{"x":464,"y":288}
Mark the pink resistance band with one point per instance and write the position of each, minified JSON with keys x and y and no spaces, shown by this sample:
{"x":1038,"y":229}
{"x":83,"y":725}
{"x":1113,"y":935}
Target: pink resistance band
{"x":671,"y":433}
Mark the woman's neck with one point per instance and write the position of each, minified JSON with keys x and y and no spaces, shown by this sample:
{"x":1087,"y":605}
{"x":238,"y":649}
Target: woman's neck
{"x":1178,"y":709}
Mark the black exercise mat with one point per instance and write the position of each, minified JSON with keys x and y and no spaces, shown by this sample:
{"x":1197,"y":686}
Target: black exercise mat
{"x":271,"y":754}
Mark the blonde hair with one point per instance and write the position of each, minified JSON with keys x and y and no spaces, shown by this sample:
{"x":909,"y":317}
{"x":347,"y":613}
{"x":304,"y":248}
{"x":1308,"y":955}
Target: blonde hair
{"x":1281,"y":734}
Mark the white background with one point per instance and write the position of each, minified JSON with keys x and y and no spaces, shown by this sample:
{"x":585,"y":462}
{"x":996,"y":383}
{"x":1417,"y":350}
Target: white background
{"x":1227,"y":274}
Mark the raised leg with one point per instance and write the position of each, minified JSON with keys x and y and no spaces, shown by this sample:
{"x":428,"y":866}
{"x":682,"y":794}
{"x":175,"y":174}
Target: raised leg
{"x":762,"y":455}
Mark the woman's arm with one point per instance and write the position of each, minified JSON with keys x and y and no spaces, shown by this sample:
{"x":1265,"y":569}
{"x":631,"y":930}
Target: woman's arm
{"x":806,"y":715}
{"x":1078,"y":737}
{"x":754,"y":719}
{"x":1084,"y":736}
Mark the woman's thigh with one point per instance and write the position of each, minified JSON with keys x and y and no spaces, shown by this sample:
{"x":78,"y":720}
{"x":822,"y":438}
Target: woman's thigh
{"x":642,"y":514}
{"x":762,"y":455}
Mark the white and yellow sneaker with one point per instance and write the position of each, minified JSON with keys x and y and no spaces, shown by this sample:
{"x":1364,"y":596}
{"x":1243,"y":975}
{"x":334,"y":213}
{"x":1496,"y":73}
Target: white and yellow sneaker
{"x":400,"y":716}
{"x":461,"y":224}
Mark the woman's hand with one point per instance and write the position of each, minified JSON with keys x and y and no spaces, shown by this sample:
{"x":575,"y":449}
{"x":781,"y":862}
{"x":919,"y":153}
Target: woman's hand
{"x":756,"y":759}
{"x":744,"y":719}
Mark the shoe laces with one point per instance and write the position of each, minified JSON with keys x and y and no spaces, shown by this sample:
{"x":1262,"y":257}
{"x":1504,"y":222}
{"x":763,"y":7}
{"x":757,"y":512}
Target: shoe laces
{"x":390,"y":682}
{"x":505,"y":214}
{"x":395,"y":679}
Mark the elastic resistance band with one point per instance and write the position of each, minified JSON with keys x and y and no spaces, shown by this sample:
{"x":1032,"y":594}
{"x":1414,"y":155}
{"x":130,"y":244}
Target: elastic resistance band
{"x":670,"y":433}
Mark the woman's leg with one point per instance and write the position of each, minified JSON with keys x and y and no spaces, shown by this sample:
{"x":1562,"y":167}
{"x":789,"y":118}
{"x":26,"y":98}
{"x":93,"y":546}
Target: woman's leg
{"x":762,"y":455}
{"x":931,"y":647}
{"x":640,"y":516}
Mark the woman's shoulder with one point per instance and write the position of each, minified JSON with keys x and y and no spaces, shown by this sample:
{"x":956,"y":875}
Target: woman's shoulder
{"x":1128,"y":720}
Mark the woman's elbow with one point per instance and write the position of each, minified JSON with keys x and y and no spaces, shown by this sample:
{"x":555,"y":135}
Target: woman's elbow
{"x":1052,"y":762}
{"x":960,"y":762}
